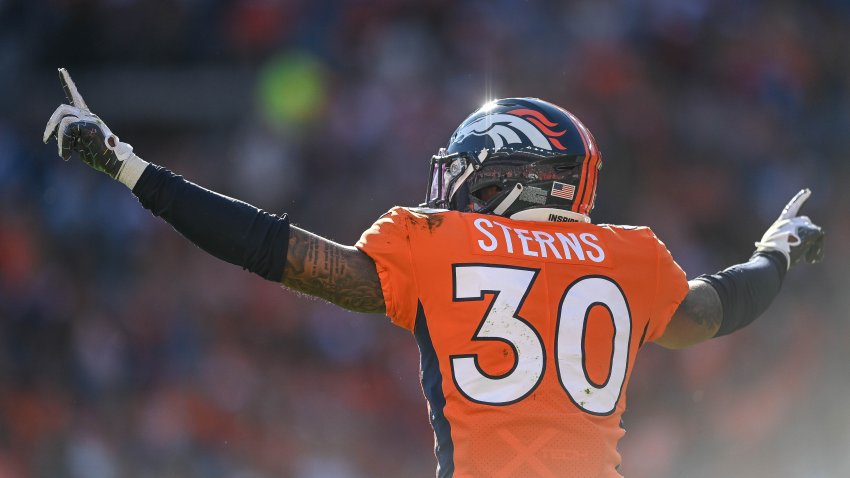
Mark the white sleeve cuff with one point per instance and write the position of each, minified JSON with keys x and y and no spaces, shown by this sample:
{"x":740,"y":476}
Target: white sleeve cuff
{"x":132,"y":170}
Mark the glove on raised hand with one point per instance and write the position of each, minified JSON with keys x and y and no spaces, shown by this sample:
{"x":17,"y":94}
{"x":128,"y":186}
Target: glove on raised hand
{"x":77,"y":129}
{"x":796,"y":237}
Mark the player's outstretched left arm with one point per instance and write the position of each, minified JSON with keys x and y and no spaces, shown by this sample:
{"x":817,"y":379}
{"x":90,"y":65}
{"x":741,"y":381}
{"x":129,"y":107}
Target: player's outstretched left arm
{"x":696,"y":320}
{"x":719,"y":304}
{"x":229,"y":229}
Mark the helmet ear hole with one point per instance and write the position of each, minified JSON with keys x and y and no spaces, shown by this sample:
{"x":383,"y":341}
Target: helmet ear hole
{"x":486,"y":193}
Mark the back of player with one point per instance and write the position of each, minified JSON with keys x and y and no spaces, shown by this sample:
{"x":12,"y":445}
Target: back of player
{"x":528,"y":333}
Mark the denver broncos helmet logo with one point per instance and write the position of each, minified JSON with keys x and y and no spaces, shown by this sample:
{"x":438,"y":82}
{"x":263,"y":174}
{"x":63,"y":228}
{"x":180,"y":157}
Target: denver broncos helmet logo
{"x":521,"y":127}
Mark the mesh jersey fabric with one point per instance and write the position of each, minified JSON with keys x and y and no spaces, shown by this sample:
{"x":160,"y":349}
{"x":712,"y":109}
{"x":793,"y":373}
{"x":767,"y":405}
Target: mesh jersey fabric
{"x":528,"y":332}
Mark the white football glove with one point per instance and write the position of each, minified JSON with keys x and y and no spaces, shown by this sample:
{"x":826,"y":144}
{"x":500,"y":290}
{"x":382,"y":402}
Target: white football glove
{"x":77,"y":129}
{"x":796,"y":237}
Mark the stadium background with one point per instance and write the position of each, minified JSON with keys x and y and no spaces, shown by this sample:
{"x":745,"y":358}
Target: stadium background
{"x":127,"y":352}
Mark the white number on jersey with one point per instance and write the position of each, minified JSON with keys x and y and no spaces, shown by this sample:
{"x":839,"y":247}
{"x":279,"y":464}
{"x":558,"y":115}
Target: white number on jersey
{"x":509,"y":287}
{"x":576,"y":304}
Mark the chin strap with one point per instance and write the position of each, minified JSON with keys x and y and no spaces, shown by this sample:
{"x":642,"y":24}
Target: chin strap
{"x":549,"y":214}
{"x":509,"y":199}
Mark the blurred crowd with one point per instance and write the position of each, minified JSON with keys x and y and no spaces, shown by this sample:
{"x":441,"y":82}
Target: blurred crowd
{"x":127,"y":352}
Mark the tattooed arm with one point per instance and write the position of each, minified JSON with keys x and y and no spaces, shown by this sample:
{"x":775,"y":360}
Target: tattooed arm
{"x":696,"y":320}
{"x":342,"y":275}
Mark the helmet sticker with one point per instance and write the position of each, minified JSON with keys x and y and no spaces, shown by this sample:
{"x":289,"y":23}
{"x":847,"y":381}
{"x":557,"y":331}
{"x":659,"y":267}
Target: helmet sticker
{"x":503,"y":130}
{"x":543,"y":124}
{"x":563,"y":190}
{"x":533,"y":195}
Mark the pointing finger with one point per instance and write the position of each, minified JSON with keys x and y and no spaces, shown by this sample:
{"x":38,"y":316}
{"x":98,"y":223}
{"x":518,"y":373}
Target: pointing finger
{"x":71,"y":91}
{"x":795,"y":204}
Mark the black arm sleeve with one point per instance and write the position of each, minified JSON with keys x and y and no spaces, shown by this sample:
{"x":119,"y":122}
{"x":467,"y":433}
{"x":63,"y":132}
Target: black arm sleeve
{"x":746,"y":290}
{"x":227,"y":228}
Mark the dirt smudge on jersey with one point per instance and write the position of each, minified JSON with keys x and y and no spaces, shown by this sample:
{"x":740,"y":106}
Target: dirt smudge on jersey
{"x":434,"y":221}
{"x":429,"y":221}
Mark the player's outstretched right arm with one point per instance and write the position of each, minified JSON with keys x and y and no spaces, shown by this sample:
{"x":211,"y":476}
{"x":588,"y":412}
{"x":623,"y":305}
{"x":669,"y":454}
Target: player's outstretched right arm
{"x":229,"y":229}
{"x":342,"y":275}
{"x":719,"y":304}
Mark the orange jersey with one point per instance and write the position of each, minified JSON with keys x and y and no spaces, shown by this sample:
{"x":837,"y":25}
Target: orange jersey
{"x":527,"y":331}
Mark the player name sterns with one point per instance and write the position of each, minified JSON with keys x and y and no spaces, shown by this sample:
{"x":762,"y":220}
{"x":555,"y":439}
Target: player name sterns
{"x":493,"y":237}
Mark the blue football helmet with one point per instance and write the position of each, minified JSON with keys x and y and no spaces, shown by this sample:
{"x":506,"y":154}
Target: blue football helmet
{"x":517,"y":155}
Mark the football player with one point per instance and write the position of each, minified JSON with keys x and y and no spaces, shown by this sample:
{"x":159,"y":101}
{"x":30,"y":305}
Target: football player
{"x":527,"y":315}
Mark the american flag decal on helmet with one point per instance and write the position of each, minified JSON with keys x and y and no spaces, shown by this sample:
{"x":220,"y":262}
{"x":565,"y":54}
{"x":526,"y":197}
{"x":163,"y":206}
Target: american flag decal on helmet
{"x":563,"y":190}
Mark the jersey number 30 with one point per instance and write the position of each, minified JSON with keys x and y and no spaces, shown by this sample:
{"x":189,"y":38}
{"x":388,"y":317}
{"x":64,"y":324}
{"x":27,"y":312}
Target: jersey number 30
{"x":510,"y":286}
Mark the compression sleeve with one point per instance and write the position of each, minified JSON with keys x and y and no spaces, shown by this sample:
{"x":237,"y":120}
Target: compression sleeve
{"x":227,"y":228}
{"x":746,"y":290}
